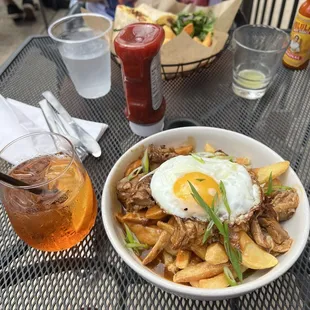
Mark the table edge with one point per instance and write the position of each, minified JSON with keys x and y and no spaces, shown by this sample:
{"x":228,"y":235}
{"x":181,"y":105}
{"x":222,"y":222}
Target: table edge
{"x":11,"y":58}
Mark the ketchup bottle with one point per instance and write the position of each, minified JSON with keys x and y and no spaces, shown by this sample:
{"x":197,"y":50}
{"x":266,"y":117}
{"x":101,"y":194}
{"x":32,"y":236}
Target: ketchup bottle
{"x":138,"y":46}
{"x":298,"y":53}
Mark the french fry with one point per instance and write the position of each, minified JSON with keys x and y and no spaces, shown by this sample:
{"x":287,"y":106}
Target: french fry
{"x":216,"y":254}
{"x":243,"y":161}
{"x":200,"y":251}
{"x":132,"y":167}
{"x":167,"y":258}
{"x":170,"y":250}
{"x":157,"y":248}
{"x":194,"y":260}
{"x":165,"y":226}
{"x":137,"y":218}
{"x":169,"y":34}
{"x":166,"y":40}
{"x":189,"y":29}
{"x":218,"y":281}
{"x":200,"y":271}
{"x":276,"y":169}
{"x":155,"y":213}
{"x":209,"y":148}
{"x":197,"y":40}
{"x":145,"y":234}
{"x":184,"y":150}
{"x":183,"y":258}
{"x":208,"y":40}
{"x":173,"y":268}
{"x":194,"y":283}
{"x":253,"y":256}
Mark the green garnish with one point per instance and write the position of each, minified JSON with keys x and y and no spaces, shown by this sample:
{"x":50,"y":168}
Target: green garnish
{"x":200,"y":180}
{"x":224,"y":197}
{"x":134,"y":173}
{"x":136,"y":245}
{"x":229,"y":276}
{"x":281,"y":187}
{"x":203,"y":23}
{"x":131,"y":241}
{"x":145,"y":162}
{"x":233,"y":254}
{"x":198,"y":158}
{"x":207,"y":232}
{"x":269,"y":189}
{"x":129,"y":235}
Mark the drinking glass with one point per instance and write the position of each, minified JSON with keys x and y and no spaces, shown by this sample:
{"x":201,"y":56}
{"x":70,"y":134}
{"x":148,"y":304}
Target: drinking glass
{"x":57,"y":208}
{"x":258,"y":52}
{"x":83,"y":41}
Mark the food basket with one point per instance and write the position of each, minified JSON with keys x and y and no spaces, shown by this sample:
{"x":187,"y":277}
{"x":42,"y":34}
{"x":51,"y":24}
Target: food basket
{"x":195,"y":36}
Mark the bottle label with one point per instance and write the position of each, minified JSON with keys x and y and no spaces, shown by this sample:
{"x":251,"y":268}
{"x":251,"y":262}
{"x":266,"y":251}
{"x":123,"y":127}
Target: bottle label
{"x":156,"y":83}
{"x":299,"y":50}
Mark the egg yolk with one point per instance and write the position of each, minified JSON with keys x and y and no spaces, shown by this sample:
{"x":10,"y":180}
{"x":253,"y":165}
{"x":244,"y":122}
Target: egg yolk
{"x":204,"y":184}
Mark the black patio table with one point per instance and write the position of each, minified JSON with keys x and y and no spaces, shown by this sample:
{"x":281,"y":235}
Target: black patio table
{"x":92,"y":275}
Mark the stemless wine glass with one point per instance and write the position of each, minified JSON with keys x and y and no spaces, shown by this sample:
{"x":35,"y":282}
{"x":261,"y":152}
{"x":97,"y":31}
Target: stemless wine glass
{"x":63,"y":208}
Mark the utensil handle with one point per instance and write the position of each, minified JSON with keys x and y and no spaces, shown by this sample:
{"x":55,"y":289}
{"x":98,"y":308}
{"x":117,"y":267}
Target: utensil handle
{"x":12,"y":181}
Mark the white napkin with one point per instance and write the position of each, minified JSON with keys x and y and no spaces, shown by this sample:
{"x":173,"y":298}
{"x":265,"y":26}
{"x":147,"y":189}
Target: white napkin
{"x":18,"y":119}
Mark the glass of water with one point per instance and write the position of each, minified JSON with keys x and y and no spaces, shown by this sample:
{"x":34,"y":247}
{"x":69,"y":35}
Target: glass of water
{"x":83,"y":41}
{"x":258,"y":52}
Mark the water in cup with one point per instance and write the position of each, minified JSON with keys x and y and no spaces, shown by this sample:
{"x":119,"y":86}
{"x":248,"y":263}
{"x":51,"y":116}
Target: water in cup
{"x":83,"y":41}
{"x":89,"y":67}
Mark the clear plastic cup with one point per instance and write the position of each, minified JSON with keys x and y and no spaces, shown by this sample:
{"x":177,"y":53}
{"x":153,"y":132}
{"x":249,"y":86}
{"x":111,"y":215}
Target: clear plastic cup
{"x":258,"y":51}
{"x":83,"y":41}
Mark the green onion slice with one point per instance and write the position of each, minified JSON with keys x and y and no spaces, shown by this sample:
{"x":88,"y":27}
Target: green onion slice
{"x":134,"y":173}
{"x":224,"y":197}
{"x":198,"y":158}
{"x":145,"y":162}
{"x":229,"y":277}
{"x":233,"y":254}
{"x":269,"y":189}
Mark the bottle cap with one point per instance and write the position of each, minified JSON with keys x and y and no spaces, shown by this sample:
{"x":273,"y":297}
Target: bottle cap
{"x":146,"y":130}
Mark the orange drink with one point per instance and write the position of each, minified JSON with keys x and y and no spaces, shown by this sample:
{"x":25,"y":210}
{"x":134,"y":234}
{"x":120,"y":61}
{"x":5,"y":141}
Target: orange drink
{"x":63,"y":213}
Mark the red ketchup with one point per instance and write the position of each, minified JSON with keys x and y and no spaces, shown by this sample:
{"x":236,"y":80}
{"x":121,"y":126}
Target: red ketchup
{"x":138,"y":46}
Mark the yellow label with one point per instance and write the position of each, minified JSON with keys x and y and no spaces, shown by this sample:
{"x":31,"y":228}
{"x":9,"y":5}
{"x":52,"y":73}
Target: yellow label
{"x":299,"y":50}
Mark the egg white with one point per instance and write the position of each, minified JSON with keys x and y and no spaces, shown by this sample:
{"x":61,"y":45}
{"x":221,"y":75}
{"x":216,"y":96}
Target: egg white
{"x":241,"y":193}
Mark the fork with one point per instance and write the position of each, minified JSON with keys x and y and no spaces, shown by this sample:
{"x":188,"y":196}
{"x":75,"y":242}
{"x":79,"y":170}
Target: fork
{"x":55,"y":125}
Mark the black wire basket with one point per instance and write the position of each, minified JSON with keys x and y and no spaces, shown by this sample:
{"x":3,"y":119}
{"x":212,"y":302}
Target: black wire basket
{"x":170,"y":72}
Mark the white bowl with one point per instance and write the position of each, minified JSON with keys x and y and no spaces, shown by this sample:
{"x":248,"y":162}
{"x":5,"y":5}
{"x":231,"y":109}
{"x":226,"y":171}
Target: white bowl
{"x":234,"y":144}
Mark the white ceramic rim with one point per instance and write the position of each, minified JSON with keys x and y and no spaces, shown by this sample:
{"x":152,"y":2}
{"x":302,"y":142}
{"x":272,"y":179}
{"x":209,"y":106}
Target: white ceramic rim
{"x":179,"y":289}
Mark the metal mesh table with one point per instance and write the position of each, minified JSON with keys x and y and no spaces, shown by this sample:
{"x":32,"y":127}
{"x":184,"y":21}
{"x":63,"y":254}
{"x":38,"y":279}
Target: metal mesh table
{"x":92,"y":275}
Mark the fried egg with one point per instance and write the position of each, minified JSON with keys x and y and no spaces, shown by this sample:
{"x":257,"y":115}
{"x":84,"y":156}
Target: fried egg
{"x":171,"y":190}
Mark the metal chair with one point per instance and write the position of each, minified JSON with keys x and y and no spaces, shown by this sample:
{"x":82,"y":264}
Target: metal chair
{"x":266,"y":12}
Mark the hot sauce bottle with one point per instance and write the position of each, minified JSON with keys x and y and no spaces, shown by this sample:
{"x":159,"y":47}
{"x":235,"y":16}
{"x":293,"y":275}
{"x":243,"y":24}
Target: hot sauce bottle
{"x":138,"y":46}
{"x":298,"y":53}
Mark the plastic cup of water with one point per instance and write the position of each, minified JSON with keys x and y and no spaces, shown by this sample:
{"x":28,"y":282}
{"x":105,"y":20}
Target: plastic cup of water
{"x":258,"y":52}
{"x":83,"y":41}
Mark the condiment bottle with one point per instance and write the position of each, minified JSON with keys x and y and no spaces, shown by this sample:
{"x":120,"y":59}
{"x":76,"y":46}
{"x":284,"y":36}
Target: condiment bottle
{"x":138,"y":46}
{"x":298,"y":53}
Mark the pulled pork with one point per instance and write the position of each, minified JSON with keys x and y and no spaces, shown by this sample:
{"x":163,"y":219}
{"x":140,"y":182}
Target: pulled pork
{"x":135,"y":195}
{"x":187,"y":233}
{"x":159,"y":154}
{"x":267,"y":231}
{"x":285,"y":203}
